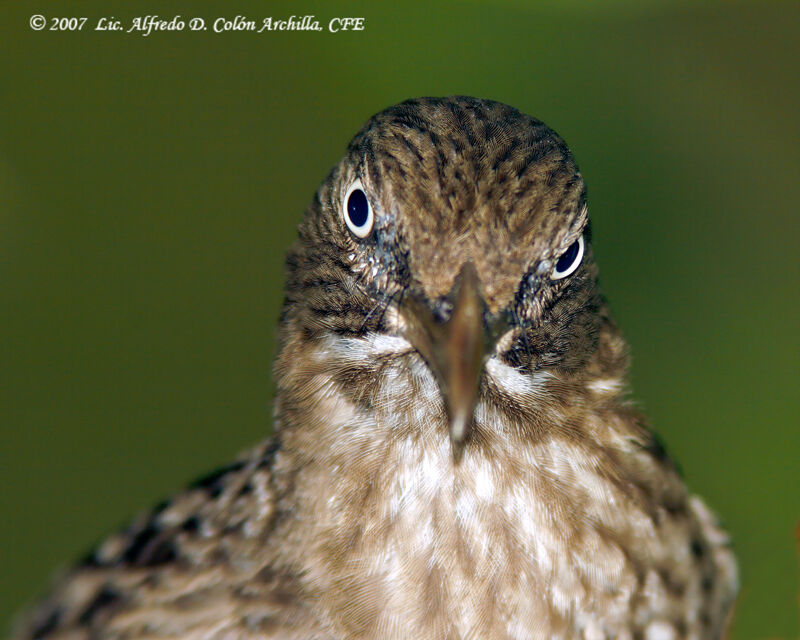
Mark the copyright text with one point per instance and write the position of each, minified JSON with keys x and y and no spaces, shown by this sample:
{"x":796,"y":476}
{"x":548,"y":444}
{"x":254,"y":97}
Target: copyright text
{"x":149,"y":24}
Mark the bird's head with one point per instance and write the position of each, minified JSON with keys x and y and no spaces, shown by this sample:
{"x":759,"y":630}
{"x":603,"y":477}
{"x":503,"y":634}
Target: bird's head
{"x":459,"y":226}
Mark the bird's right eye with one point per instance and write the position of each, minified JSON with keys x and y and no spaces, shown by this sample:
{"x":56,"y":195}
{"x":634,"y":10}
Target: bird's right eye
{"x":357,"y":211}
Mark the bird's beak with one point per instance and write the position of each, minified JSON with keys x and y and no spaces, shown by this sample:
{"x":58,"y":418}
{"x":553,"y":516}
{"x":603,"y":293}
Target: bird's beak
{"x":455,"y":349}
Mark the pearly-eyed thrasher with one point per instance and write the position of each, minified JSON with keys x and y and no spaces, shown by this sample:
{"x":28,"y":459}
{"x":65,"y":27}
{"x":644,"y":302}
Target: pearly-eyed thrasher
{"x":453,"y":455}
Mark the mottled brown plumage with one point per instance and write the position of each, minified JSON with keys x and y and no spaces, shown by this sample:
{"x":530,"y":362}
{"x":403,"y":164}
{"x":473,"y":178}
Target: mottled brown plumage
{"x":454,"y":455}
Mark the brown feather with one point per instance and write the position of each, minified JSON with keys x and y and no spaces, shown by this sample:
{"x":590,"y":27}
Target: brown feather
{"x":563,"y":518}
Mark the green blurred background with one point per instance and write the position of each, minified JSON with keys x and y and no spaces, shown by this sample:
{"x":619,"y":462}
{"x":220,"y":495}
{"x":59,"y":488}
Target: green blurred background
{"x":150,"y":185}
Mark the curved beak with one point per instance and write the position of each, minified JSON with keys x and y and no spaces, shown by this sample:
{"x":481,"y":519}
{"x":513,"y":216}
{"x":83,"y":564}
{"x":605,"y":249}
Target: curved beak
{"x":455,"y":349}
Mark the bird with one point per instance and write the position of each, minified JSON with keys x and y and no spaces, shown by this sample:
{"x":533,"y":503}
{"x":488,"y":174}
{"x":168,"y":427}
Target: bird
{"x":454,"y":454}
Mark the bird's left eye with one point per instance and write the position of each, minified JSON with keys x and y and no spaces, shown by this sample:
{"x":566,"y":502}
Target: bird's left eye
{"x":569,"y":260}
{"x":357,"y":210}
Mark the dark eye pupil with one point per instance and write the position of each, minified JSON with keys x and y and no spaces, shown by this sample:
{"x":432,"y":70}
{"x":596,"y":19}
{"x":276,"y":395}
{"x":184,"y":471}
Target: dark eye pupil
{"x":358,"y":208}
{"x":566,"y":260}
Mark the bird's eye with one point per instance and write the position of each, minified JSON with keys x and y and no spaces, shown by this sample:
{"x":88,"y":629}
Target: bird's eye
{"x":569,"y":260}
{"x":357,"y":210}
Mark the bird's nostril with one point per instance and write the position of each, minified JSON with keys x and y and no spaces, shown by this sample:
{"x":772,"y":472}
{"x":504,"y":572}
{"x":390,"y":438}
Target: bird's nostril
{"x":442,"y":310}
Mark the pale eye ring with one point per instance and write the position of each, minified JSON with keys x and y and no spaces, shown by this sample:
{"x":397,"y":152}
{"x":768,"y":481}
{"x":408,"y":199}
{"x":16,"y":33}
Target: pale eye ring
{"x":569,"y":260}
{"x":357,"y":210}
